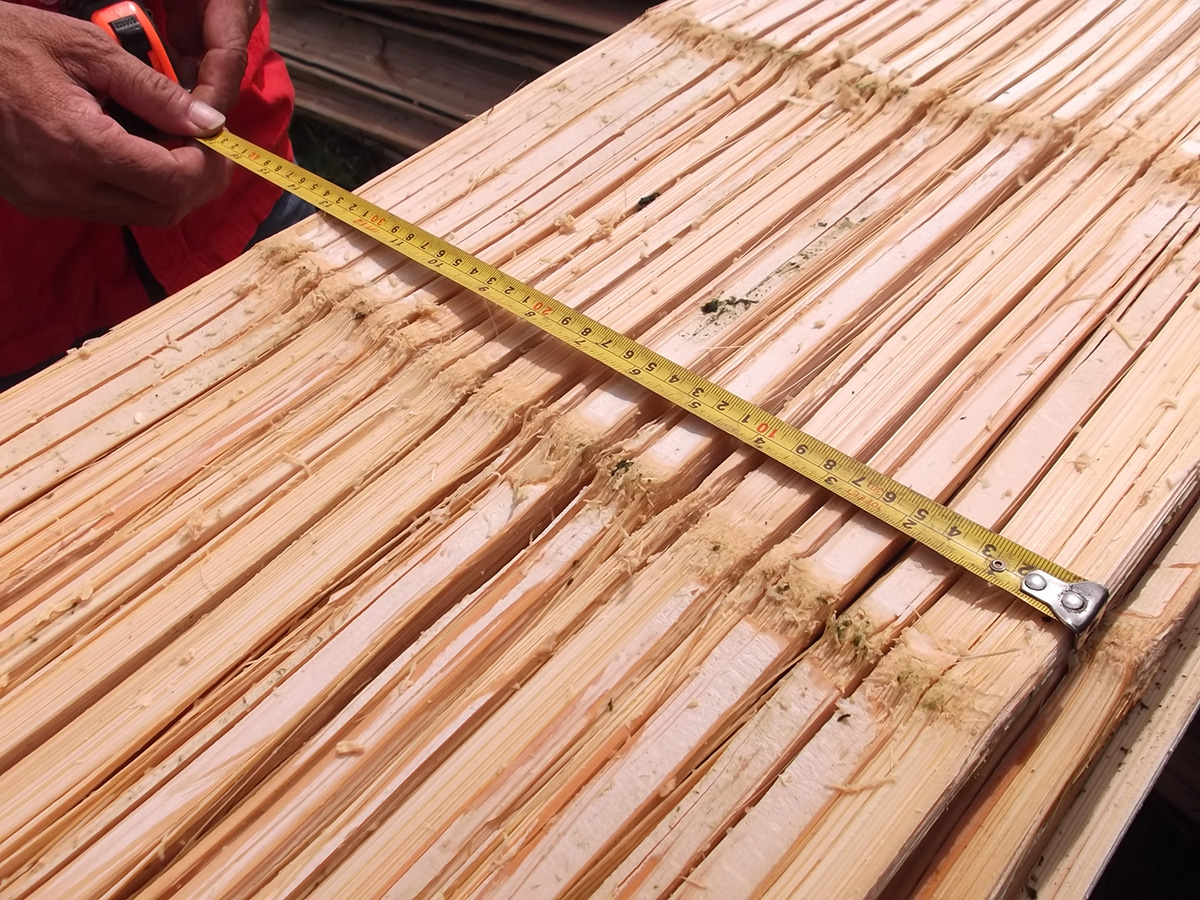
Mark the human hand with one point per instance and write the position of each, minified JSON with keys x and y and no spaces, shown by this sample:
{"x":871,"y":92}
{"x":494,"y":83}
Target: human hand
{"x":211,"y":36}
{"x":61,"y":155}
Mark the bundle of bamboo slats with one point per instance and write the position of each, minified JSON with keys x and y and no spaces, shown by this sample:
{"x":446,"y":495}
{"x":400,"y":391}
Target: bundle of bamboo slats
{"x":407,"y":72}
{"x":322,"y":579}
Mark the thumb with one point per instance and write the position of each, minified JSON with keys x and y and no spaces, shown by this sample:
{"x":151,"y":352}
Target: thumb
{"x":149,"y":94}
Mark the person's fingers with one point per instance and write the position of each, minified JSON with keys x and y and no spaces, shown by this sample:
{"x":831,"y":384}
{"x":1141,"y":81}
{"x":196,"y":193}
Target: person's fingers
{"x":117,"y":206}
{"x":146,"y":93}
{"x":219,"y":78}
{"x":184,"y":177}
{"x":39,"y":196}
{"x":187,"y":70}
{"x":226,"y":32}
{"x":95,"y":150}
{"x":67,"y":157}
{"x":91,"y":202}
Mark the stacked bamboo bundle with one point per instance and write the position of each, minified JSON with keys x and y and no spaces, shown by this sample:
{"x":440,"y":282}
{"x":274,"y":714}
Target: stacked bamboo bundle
{"x":407,"y":72}
{"x":321,"y":579}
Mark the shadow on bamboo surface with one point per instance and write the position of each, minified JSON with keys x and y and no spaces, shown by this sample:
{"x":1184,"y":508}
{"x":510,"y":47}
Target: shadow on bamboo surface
{"x":322,"y":579}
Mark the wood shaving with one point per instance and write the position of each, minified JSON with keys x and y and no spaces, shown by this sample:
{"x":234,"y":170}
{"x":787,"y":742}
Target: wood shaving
{"x":861,"y":786}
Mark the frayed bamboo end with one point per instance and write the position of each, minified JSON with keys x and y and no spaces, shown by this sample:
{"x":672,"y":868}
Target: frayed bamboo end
{"x":795,"y":600}
{"x":906,"y":675}
{"x":561,"y":446}
{"x":626,"y":478}
{"x":281,"y":249}
{"x":854,"y":636}
{"x":720,"y":42}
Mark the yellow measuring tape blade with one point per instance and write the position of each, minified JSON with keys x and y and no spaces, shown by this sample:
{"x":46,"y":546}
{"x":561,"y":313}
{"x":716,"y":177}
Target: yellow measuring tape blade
{"x":1041,"y":583}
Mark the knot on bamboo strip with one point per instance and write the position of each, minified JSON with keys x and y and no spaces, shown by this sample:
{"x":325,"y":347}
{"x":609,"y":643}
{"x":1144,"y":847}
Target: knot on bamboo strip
{"x":855,"y":88}
{"x":500,"y":399}
{"x":906,"y":675}
{"x":851,"y":643}
{"x":965,"y":706}
{"x":1144,"y":147}
{"x":795,"y":598}
{"x":626,"y":474}
{"x":286,"y":271}
{"x":560,"y":446}
{"x":1174,"y":161}
{"x":459,"y":375}
{"x":854,"y":636}
{"x":832,"y":75}
{"x":722,"y":43}
{"x":270,"y":257}
{"x":1118,"y":645}
{"x":279,"y":250}
{"x":630,"y":488}
{"x":853,"y":84}
{"x":1182,"y":164}
{"x":723,"y":545}
{"x":943,"y":681}
{"x":290,"y":282}
{"x":840,"y":80}
{"x":376,"y":317}
{"x":301,"y":284}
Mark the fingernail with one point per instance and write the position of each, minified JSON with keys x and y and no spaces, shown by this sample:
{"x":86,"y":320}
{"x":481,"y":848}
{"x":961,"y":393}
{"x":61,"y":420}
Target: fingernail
{"x":205,"y":118}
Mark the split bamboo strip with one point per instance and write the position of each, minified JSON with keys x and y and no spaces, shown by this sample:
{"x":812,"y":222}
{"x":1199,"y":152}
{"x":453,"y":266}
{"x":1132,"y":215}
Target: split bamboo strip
{"x":30,"y":470}
{"x":887,"y":775}
{"x":413,"y":199}
{"x":569,"y":251}
{"x":791,"y":554}
{"x":1078,"y":850}
{"x":1013,"y":811}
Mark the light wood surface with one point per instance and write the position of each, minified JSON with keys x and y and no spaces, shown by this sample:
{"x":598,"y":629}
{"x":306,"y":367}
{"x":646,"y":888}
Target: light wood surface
{"x":322,"y":579}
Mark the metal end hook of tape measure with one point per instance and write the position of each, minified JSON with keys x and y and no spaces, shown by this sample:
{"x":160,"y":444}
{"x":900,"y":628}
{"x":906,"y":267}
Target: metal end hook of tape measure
{"x":1076,"y":604}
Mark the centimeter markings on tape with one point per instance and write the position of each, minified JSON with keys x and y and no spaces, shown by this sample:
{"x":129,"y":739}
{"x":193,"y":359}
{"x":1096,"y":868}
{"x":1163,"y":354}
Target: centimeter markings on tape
{"x":1041,"y":583}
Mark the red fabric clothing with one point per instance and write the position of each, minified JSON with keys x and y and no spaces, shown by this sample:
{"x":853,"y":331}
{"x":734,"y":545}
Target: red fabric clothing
{"x":62,"y":279}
